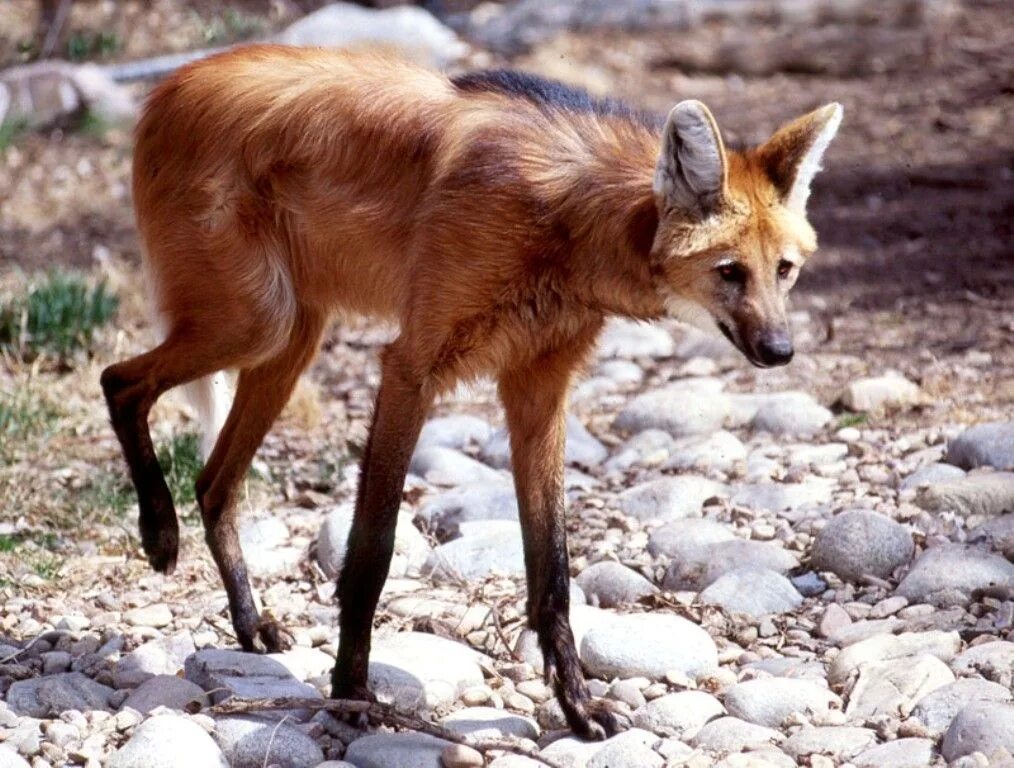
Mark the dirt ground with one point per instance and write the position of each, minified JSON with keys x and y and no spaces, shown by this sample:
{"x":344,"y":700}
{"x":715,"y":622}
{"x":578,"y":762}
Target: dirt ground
{"x":914,"y":213}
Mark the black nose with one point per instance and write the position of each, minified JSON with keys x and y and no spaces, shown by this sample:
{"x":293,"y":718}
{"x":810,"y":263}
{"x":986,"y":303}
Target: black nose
{"x":775,"y":347}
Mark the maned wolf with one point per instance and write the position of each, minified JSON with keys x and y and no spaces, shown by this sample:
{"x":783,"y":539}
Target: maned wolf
{"x":500,"y":218}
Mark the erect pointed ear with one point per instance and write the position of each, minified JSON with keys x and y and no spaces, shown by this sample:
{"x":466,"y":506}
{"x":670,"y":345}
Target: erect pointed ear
{"x":691,"y":172}
{"x":792,"y":156}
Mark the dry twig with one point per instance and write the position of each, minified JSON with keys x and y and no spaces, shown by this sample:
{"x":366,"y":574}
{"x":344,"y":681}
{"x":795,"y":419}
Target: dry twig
{"x":381,"y":713}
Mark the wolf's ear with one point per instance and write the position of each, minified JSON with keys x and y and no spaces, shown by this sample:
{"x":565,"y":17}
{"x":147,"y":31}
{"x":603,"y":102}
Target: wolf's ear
{"x":792,"y":156}
{"x":691,"y":172}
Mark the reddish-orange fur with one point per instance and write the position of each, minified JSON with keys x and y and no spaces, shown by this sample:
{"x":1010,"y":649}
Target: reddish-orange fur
{"x":277,"y":186}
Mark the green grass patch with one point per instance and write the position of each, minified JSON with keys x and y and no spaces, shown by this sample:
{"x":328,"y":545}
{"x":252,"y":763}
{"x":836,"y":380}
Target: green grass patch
{"x":853,"y":419}
{"x":58,"y":316}
{"x":108,"y":496}
{"x":92,"y":45}
{"x":11,"y":131}
{"x":23,"y":417}
{"x":181,"y":463}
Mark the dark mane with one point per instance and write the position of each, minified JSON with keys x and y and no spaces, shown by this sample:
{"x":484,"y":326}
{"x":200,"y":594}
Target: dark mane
{"x":551,"y":95}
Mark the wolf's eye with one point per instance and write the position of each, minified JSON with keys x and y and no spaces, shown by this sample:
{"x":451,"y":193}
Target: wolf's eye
{"x":784,"y":268}
{"x":732,"y":273}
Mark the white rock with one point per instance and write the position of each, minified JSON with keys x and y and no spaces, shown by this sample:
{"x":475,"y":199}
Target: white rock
{"x":446,"y":466}
{"x":457,"y":431}
{"x":413,"y":669}
{"x":878,"y":392}
{"x":264,"y":543}
{"x":754,"y":591}
{"x":168,"y":741}
{"x":806,"y":454}
{"x":937,"y":709}
{"x":490,"y":723}
{"x":764,"y":758}
{"x":630,"y":749}
{"x":903,"y":753}
{"x":484,"y":547}
{"x":11,"y":759}
{"x":679,"y":714}
{"x":668,"y":498}
{"x":470,"y":503}
{"x":621,"y":372}
{"x":609,"y":584}
{"x":414,"y":31}
{"x":720,"y":450}
{"x":948,"y":575}
{"x":730,"y":734}
{"x":304,"y":663}
{"x":683,"y":539}
{"x":162,"y":656}
{"x":777,"y":497}
{"x":249,"y":741}
{"x":651,"y":447}
{"x":894,"y":687}
{"x":837,"y":742}
{"x":581,"y":447}
{"x":164,"y":691}
{"x":932,"y":474}
{"x":860,"y":542}
{"x":881,"y":648}
{"x":647,"y":645}
{"x":993,"y":660}
{"x":984,"y":445}
{"x":410,"y":547}
{"x":707,"y":564}
{"x":789,"y":413}
{"x":690,"y":407}
{"x":157,"y":615}
{"x":629,"y":339}
{"x":396,"y":750}
{"x":974,"y":494}
{"x":983,"y":727}
{"x":769,"y":701}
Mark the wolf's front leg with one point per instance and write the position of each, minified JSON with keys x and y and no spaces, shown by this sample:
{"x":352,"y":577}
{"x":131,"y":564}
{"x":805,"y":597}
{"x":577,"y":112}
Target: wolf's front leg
{"x":535,"y":403}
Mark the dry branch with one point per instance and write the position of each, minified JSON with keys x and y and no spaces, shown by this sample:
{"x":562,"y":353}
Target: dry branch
{"x":384,"y":714}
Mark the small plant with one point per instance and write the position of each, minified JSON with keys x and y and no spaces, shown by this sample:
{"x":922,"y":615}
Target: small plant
{"x":59,"y":316}
{"x":181,"y":464}
{"x":86,"y":45}
{"x":108,"y":493}
{"x":853,"y":419}
{"x":11,"y":131}
{"x":93,"y":124}
{"x":22,"y":417}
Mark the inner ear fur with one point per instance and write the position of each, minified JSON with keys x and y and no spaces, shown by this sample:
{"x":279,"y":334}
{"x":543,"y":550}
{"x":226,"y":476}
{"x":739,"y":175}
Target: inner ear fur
{"x":791,"y":158}
{"x":692,"y":170}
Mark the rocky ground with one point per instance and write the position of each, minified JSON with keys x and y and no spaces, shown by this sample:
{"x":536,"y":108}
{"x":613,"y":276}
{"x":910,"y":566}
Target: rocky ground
{"x":804,"y":566}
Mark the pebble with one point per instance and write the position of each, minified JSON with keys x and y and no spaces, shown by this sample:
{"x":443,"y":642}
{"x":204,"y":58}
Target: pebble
{"x":157,"y":615}
{"x":768,"y":702}
{"x":690,"y":407}
{"x":985,"y":727}
{"x":837,"y":742}
{"x":948,"y":574}
{"x":790,"y":413}
{"x":581,"y":448}
{"x":860,"y":542}
{"x":989,"y":444}
{"x":396,"y":750}
{"x":410,"y":547}
{"x":413,"y":669}
{"x":903,"y":753}
{"x":47,"y":696}
{"x":460,"y":756}
{"x":11,"y":759}
{"x":630,"y":749}
{"x":777,"y":497}
{"x":484,"y":547}
{"x":683,"y":539}
{"x":731,"y":734}
{"x":704,"y":566}
{"x":719,"y":450}
{"x":938,"y":708}
{"x":630,"y":339}
{"x":456,"y":431}
{"x":894,"y":687}
{"x":446,"y":466}
{"x":168,"y":741}
{"x":932,"y":474}
{"x":609,"y":584}
{"x":876,"y":393}
{"x":754,"y":591}
{"x":993,"y":660}
{"x":490,"y":723}
{"x":679,"y":714}
{"x":165,"y":691}
{"x":668,"y":498}
{"x":647,"y":645}
{"x":884,"y":647}
{"x":162,"y":656}
{"x":469,"y":503}
{"x":979,"y":495}
{"x":248,"y":741}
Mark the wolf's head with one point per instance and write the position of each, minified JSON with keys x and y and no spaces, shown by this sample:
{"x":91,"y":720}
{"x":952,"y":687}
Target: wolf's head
{"x":733,"y":232}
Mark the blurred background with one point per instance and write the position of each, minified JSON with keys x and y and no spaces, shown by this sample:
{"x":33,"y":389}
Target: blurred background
{"x":914,"y":210}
